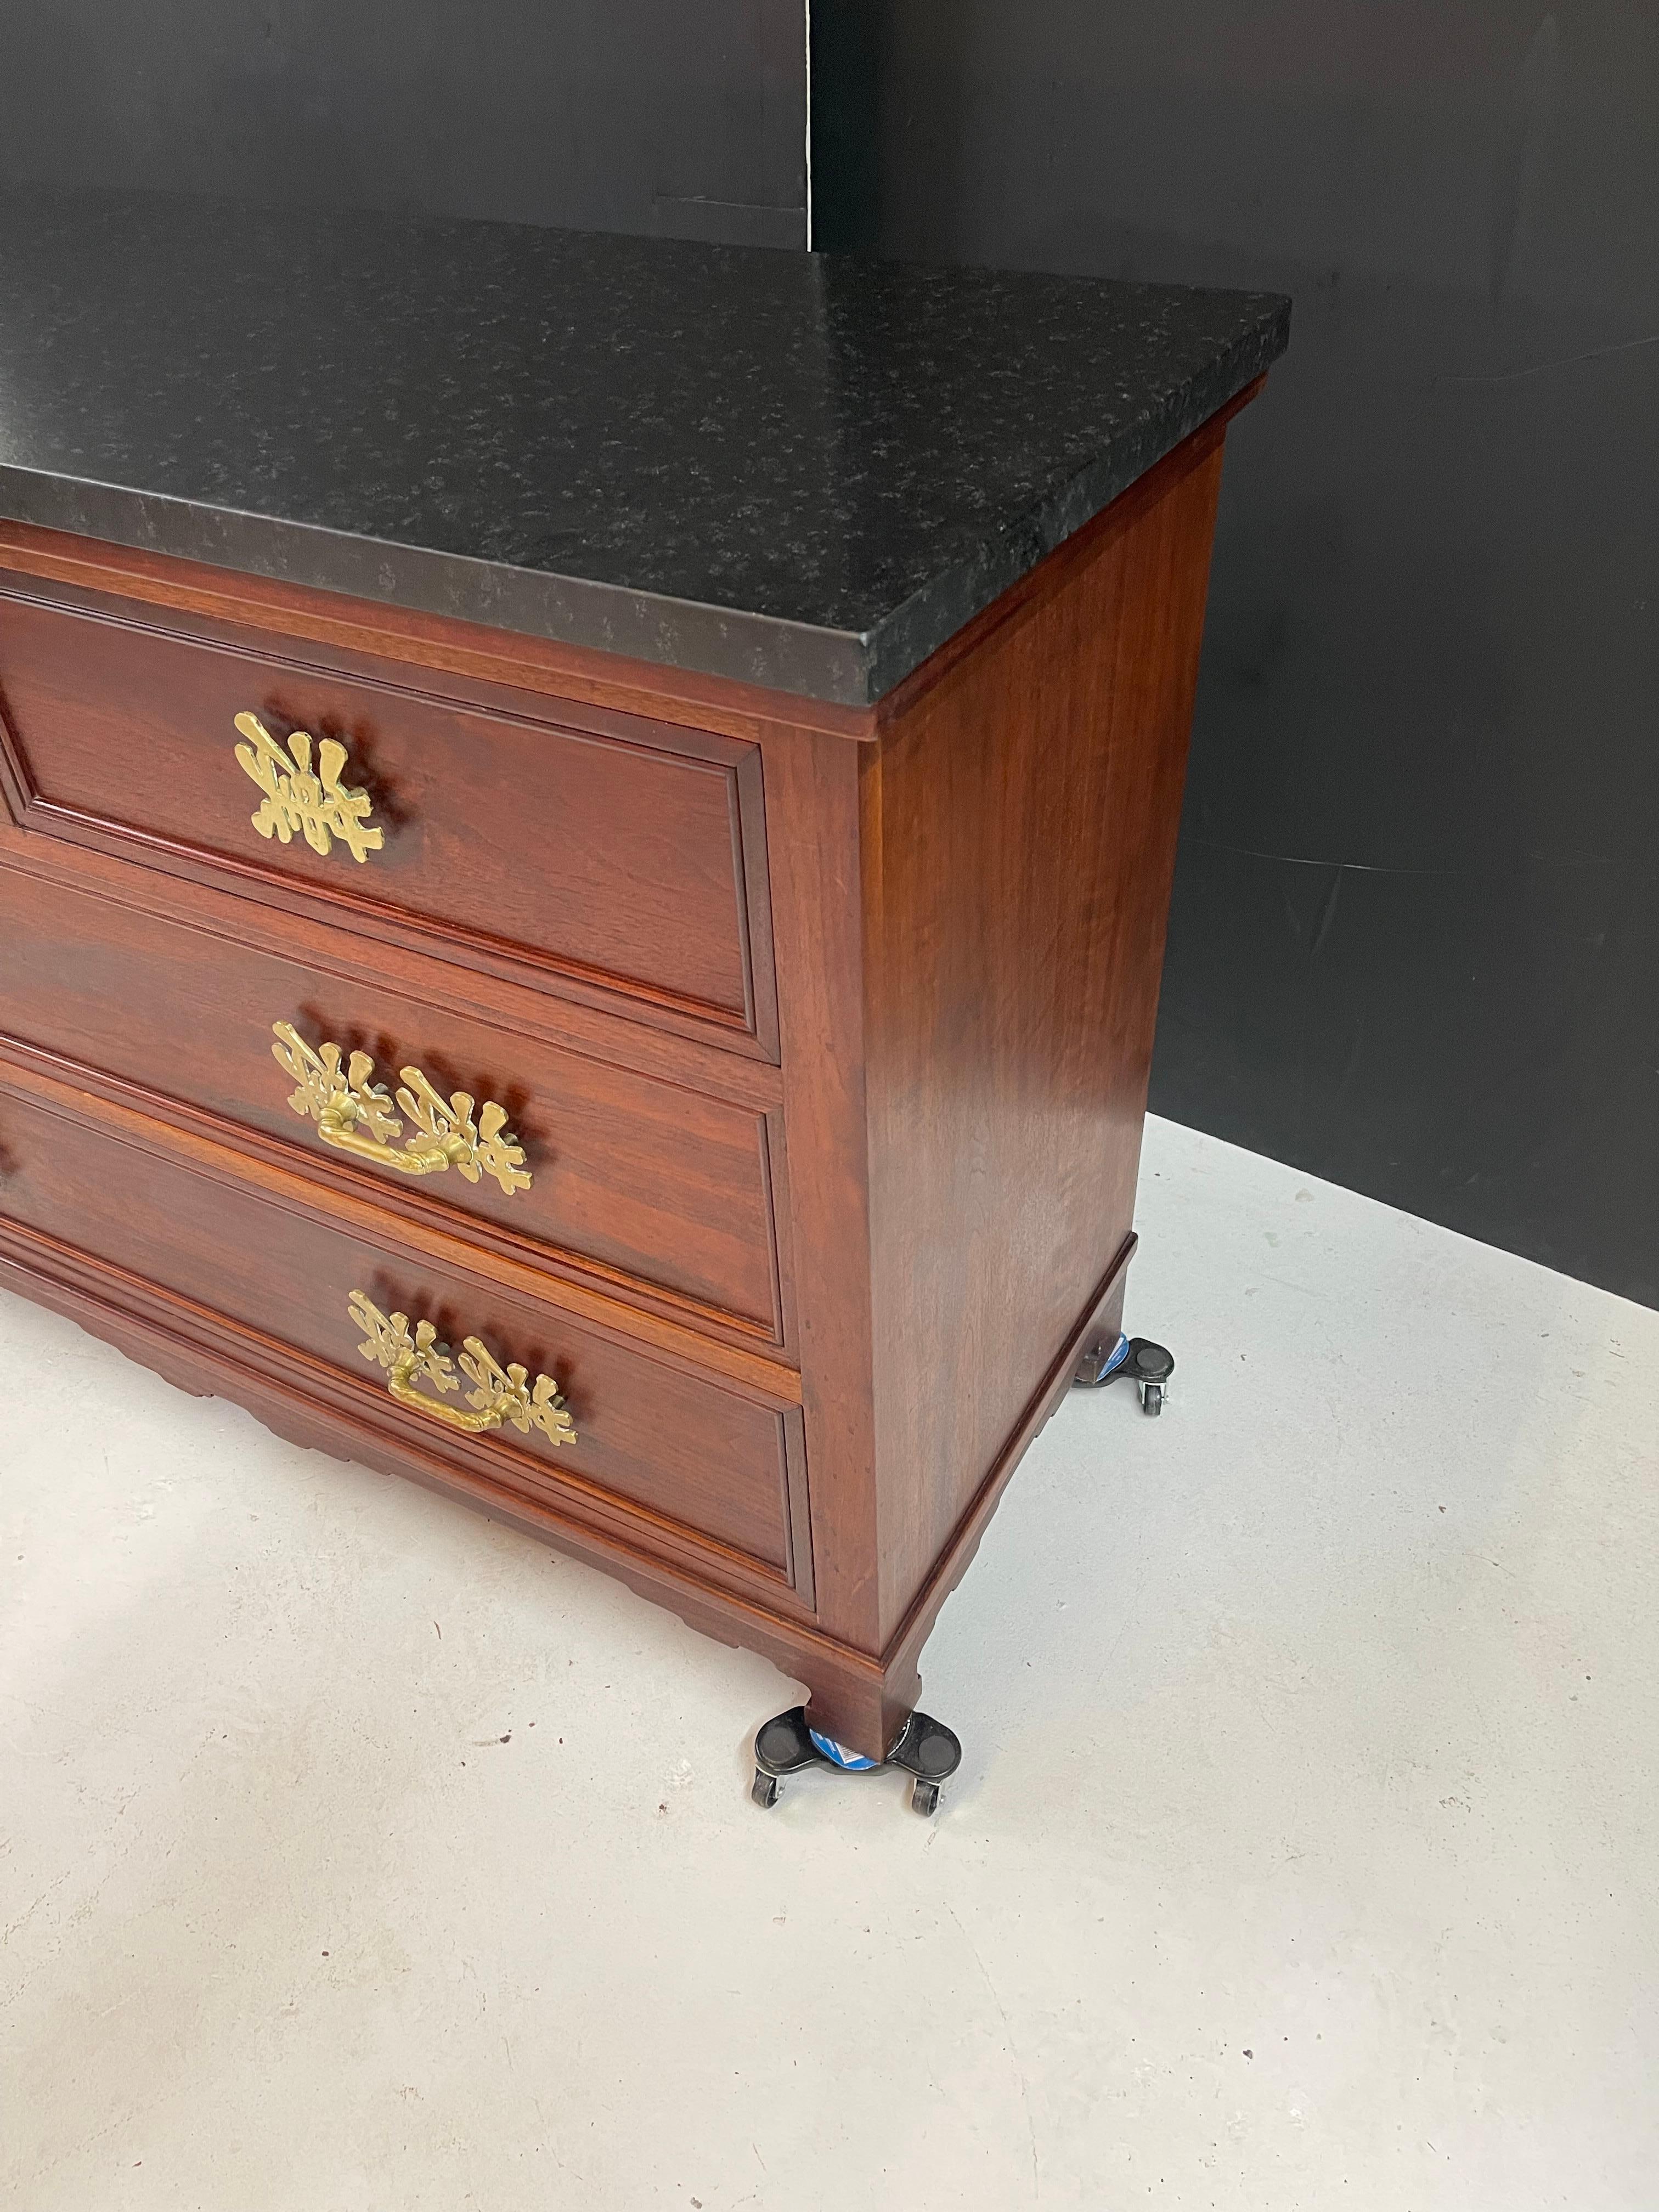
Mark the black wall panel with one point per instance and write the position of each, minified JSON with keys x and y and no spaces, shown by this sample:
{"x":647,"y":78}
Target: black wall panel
{"x":1415,"y":943}
{"x":639,"y":115}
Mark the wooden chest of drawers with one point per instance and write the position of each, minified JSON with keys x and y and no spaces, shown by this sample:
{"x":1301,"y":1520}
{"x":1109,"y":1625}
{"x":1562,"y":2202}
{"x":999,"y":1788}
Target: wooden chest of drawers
{"x":694,"y":1120}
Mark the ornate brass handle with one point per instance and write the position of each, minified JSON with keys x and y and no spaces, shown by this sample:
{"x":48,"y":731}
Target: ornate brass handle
{"x":353,"y":1113}
{"x":316,"y":804}
{"x":498,"y":1394}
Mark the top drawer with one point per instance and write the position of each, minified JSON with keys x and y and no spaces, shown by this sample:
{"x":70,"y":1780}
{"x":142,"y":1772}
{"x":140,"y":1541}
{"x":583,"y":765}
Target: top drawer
{"x":595,"y":855}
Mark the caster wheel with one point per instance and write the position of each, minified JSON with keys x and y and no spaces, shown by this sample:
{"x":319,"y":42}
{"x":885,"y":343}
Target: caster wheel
{"x":1147,"y":1364}
{"x":925,"y":1749}
{"x":930,"y":1754}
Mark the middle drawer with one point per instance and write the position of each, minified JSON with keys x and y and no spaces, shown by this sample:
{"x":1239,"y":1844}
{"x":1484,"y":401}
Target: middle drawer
{"x":631,"y":1180}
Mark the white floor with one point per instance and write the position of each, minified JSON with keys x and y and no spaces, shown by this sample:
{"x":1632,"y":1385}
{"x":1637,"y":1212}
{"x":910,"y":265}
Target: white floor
{"x":355,"y":1854}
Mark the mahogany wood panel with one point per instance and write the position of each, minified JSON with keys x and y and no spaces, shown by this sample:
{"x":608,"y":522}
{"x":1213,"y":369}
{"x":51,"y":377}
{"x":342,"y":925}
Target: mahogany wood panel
{"x":1018,"y":836}
{"x":695,"y":1061}
{"x":595,"y":852}
{"x":1102,"y":1318}
{"x":811,"y":796}
{"x":315,"y":1406}
{"x":636,"y":1182}
{"x":966,"y":910}
{"x":665,"y":1452}
{"x":763,"y":1375}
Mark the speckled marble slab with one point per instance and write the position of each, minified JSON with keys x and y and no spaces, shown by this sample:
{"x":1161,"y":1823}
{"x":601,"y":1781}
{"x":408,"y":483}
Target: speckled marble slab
{"x":800,"y":471}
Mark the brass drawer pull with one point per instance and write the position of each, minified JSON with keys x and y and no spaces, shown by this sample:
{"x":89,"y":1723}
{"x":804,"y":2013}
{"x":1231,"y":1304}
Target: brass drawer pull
{"x":497,"y":1394}
{"x":317,"y":806}
{"x":353,"y":1113}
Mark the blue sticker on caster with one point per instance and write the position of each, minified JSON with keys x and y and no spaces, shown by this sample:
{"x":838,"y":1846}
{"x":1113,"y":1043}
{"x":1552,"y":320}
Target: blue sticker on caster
{"x":852,"y":1761}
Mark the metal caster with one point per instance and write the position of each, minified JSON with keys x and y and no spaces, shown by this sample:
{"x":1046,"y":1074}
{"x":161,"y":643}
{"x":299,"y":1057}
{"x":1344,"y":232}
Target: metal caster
{"x":925,"y":1749}
{"x":1147,"y":1364}
{"x":928,"y":1752}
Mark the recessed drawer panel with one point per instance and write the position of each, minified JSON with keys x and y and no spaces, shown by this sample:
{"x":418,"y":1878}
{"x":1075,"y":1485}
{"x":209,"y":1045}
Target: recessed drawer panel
{"x":589,"y":854}
{"x":234,"y":1258}
{"x":643,"y":1185}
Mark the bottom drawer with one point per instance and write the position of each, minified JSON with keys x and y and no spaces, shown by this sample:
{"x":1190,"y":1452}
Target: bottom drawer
{"x":672,"y":1461}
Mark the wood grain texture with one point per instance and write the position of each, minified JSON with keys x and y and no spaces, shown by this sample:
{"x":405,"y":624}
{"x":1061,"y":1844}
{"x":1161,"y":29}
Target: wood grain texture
{"x":364,"y":963}
{"x":766,"y":1377}
{"x":660,"y":1448}
{"x":1018,"y":827}
{"x":813,"y":814}
{"x":1102,"y":1317}
{"x":799,"y":1420}
{"x":597,"y":854}
{"x":309,"y":1404}
{"x":640,"y":1186}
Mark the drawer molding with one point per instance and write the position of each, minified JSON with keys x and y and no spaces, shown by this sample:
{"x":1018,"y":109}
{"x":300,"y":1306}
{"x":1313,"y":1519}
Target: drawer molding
{"x":205,"y":1352}
{"x":732,"y":1004}
{"x":176,"y":1027}
{"x":243,"y":1159}
{"x":729,"y":1339}
{"x":693,"y":1064}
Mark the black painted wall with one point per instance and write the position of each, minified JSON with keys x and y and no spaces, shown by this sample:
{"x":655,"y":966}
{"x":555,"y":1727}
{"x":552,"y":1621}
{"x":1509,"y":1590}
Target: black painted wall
{"x":638,"y":115}
{"x":1415,"y":943}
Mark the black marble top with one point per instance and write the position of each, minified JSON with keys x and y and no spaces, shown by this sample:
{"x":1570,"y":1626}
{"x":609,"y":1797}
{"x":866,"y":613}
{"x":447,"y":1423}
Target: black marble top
{"x":801,"y":470}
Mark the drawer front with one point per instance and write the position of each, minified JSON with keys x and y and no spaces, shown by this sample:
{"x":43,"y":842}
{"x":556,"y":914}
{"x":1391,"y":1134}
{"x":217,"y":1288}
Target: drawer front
{"x":597,"y":855}
{"x":675,"y":1462}
{"x":640,"y":1183}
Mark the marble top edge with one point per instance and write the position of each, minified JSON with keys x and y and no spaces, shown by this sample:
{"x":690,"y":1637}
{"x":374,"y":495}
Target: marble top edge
{"x":796,"y":471}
